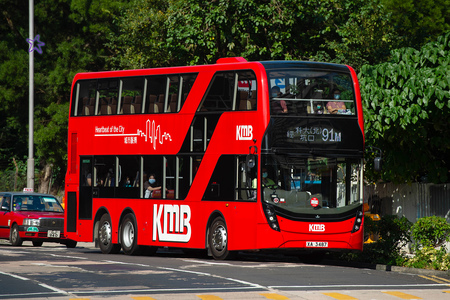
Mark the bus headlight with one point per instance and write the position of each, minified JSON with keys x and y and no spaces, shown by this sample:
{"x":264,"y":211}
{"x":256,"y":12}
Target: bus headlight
{"x":271,"y":217}
{"x":32,"y":222}
{"x":358,"y":221}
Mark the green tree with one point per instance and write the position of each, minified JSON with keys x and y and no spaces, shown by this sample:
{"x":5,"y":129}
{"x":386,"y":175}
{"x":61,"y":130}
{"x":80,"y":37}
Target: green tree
{"x":407,"y":109}
{"x":74,"y":36}
{"x":417,"y":22}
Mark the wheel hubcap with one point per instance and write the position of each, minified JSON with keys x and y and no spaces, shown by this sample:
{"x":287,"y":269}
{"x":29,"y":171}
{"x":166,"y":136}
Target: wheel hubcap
{"x":128,"y":234}
{"x":219,"y":238}
{"x":105,"y":233}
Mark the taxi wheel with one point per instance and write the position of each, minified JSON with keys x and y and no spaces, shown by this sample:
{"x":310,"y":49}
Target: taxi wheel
{"x":105,"y":236}
{"x":128,"y":235}
{"x":71,"y":244}
{"x":15,"y":238}
{"x":37,"y":243}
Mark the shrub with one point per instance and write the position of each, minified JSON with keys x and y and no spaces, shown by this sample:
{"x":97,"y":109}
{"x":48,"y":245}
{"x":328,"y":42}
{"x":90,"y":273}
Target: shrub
{"x":430,"y":232}
{"x":430,"y":258}
{"x":394,"y":233}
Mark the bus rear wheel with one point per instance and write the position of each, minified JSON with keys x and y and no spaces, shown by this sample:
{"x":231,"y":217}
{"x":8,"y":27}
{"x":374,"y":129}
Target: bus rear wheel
{"x":218,"y":240}
{"x":105,"y":236}
{"x":128,"y":235}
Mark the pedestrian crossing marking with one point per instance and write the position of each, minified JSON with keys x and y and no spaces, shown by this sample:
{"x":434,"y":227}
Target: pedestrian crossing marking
{"x":339,"y":296}
{"x":402,"y":295}
{"x":274,"y":296}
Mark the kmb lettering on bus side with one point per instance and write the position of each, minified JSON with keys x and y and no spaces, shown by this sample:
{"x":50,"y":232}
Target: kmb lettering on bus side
{"x":175,"y":218}
{"x":317,"y":227}
{"x":244,"y":132}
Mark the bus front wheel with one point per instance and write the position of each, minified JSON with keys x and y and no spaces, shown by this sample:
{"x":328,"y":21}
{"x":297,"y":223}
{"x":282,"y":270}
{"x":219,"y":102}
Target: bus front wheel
{"x":128,"y":235}
{"x":105,"y":236}
{"x":218,"y":240}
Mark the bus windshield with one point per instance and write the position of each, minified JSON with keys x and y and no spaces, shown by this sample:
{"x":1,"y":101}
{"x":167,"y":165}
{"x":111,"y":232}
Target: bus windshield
{"x":306,"y":92}
{"x":311,"y":185}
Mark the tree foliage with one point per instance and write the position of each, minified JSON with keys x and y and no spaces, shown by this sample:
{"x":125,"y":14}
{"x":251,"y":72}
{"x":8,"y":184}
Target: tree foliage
{"x":84,"y":35}
{"x":407,"y":108}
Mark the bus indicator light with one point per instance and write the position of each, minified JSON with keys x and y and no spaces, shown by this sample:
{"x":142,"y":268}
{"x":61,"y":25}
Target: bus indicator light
{"x":314,"y":202}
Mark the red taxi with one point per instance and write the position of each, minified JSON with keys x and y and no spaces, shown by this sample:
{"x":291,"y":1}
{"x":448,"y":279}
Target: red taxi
{"x":28,"y":216}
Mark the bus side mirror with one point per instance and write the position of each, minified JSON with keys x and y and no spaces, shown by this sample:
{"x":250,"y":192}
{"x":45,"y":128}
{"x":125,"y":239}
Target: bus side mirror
{"x":377,"y":164}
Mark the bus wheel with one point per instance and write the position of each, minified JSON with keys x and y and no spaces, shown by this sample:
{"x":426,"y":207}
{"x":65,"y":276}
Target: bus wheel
{"x":14,"y":237}
{"x":105,"y":236}
{"x":128,"y":235}
{"x":218,"y":239}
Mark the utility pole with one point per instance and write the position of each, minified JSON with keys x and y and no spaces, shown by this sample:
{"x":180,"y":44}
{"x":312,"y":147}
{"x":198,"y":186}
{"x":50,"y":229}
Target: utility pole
{"x":30,"y":162}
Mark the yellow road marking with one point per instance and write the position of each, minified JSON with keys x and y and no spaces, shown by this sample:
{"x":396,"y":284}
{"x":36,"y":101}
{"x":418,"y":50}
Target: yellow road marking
{"x":433,"y":279}
{"x":439,"y":278}
{"x":402,"y":295}
{"x":447,"y":292}
{"x":209,"y":297}
{"x":274,"y":296}
{"x":339,"y":296}
{"x":141,"y":298}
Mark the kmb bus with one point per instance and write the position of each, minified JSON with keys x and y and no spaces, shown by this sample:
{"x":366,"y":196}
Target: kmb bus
{"x":227,"y":157}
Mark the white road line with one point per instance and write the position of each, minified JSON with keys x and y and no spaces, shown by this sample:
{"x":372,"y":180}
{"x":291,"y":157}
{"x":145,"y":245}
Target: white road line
{"x":252,"y":285}
{"x":65,"y":256}
{"x":15,"y":276}
{"x":161,"y":290}
{"x":56,"y":290}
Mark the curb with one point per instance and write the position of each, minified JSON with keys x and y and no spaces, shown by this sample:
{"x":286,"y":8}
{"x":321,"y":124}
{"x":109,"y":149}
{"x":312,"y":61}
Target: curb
{"x":387,"y":268}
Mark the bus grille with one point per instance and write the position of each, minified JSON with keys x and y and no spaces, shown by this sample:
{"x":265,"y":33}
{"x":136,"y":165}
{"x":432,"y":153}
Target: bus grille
{"x":52,"y":223}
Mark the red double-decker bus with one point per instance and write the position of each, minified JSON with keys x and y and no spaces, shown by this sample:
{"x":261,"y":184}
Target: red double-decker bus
{"x":226,"y":157}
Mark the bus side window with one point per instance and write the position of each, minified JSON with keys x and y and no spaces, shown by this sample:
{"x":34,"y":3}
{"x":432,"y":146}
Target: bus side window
{"x":132,"y":91}
{"x":219,"y":96}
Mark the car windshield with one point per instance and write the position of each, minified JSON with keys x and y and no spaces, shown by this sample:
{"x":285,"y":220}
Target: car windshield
{"x":36,"y":203}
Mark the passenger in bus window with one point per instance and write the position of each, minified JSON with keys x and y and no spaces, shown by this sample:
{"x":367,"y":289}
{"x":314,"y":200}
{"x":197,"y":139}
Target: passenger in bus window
{"x":89,"y":180}
{"x":151,"y":185}
{"x":334,"y":106}
{"x":279,"y":106}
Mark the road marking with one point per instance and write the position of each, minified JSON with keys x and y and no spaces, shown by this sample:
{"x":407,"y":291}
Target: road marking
{"x":343,"y":286}
{"x":209,"y":297}
{"x":435,"y":279}
{"x":66,"y":256}
{"x":139,"y":298}
{"x":274,"y":296}
{"x":339,"y":296}
{"x":53,"y":288}
{"x":440,"y":278}
{"x":402,"y":295}
{"x":15,"y":276}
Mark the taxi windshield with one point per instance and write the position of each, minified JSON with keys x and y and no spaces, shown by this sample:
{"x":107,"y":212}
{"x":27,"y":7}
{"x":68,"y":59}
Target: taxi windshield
{"x":36,"y":203}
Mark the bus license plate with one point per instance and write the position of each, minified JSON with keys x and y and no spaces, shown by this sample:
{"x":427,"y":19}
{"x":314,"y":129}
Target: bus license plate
{"x":53,"y":233}
{"x":317,"y":244}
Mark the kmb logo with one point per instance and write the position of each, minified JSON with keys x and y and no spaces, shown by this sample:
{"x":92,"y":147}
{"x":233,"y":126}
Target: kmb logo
{"x":175,"y":226}
{"x":317,"y":227}
{"x":244,"y":132}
